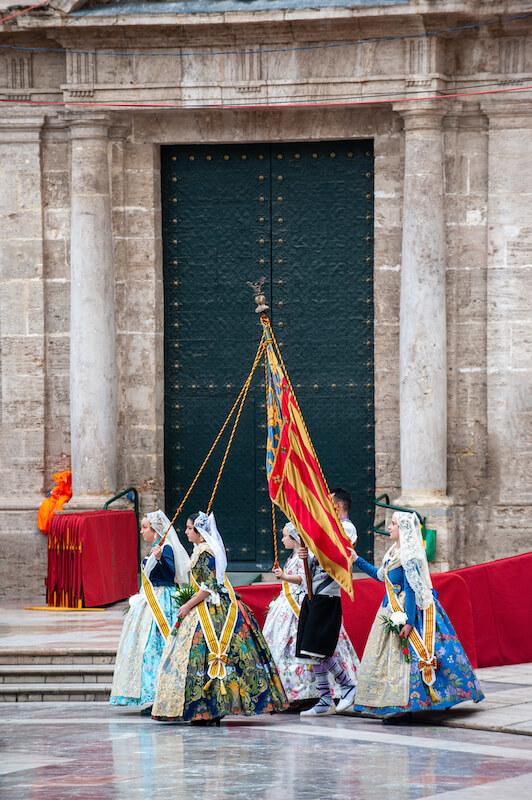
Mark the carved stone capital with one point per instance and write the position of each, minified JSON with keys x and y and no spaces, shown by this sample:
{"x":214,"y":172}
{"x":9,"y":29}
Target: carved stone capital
{"x":509,"y":113}
{"x":90,"y":126}
{"x":21,"y":129}
{"x":422,"y":116}
{"x":466,"y":117}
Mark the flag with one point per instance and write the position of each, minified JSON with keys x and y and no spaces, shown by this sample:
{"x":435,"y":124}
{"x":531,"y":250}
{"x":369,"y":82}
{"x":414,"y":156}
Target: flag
{"x":295,"y":480}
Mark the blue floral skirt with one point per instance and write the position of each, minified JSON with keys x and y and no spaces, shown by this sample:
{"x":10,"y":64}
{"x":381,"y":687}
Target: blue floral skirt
{"x":455,"y":681}
{"x":152,"y":654}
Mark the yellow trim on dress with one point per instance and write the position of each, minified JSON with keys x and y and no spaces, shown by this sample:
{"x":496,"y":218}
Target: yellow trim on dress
{"x":217,"y":647}
{"x":291,"y":599}
{"x":156,"y":610}
{"x":423,"y":646}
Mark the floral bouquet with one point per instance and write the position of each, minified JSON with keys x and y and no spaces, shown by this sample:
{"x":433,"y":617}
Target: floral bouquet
{"x":181,"y":596}
{"x":395,"y":623}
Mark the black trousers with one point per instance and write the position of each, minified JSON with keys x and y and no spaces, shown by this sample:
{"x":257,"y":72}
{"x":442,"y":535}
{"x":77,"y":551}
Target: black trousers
{"x":320,"y":620}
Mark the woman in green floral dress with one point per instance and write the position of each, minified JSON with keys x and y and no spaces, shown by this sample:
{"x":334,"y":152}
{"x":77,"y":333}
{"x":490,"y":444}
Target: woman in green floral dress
{"x":218,"y":662}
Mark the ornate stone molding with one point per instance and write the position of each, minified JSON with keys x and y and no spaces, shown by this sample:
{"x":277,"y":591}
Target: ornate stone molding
{"x":512,"y":54}
{"x":509,"y":114}
{"x":90,"y":126}
{"x":422,"y":116}
{"x":21,"y":129}
{"x":80,"y":73}
{"x":18,"y":72}
{"x":466,"y":116}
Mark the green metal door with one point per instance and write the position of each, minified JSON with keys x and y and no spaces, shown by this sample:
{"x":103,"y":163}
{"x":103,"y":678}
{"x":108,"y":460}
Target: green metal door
{"x":301,"y":215}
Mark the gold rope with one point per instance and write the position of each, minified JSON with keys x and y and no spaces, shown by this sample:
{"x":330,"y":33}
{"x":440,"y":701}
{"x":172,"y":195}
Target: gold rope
{"x":274,"y":530}
{"x":245,"y":390}
{"x":213,"y":446}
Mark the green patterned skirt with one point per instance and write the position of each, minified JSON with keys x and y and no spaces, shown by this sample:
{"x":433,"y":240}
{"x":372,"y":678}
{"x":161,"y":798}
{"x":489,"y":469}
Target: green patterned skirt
{"x":252,"y":684}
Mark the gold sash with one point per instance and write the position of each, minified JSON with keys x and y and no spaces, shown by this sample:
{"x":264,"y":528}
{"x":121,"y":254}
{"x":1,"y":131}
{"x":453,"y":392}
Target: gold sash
{"x":423,"y":646}
{"x":217,"y":647}
{"x":156,"y":610}
{"x":291,"y":599}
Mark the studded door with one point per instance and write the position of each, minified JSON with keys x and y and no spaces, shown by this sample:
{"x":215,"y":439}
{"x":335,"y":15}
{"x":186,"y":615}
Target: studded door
{"x":301,"y":215}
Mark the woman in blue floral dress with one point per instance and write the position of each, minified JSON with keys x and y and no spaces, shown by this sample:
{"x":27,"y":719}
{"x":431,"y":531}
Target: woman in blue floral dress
{"x":430,"y":670}
{"x":142,"y":640}
{"x":218,"y":662}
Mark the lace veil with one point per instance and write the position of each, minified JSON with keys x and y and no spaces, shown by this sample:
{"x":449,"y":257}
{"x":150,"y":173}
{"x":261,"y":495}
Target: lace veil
{"x":206,"y":526}
{"x":413,"y":557}
{"x":160,"y":522}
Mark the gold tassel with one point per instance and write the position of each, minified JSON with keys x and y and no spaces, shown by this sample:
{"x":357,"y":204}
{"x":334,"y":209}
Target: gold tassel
{"x":433,"y":696}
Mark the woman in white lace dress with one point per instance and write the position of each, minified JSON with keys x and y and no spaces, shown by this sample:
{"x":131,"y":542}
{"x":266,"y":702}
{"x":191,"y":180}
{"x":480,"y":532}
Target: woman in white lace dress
{"x":280,"y":629}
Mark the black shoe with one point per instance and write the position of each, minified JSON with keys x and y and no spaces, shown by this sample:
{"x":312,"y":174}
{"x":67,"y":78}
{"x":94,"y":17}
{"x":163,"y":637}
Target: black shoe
{"x":398,"y":719}
{"x":146,"y":712}
{"x":207,"y":722}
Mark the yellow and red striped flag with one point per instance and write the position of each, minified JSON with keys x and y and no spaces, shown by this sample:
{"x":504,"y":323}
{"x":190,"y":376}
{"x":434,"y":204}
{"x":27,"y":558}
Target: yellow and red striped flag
{"x":295,"y":480}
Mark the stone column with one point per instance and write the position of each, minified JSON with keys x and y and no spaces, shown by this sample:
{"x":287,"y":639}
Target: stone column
{"x":423,"y":351}
{"x":93,"y":373}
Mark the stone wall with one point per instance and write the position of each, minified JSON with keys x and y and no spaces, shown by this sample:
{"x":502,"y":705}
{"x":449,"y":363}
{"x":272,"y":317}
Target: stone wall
{"x":22,"y":354}
{"x":509,"y":326}
{"x":486,"y":173}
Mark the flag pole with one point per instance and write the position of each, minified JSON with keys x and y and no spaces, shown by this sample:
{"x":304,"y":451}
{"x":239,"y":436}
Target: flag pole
{"x":261,"y":308}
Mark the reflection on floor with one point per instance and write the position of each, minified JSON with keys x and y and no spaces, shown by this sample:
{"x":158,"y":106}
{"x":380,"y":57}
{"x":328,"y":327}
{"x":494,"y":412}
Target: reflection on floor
{"x":92,"y":751}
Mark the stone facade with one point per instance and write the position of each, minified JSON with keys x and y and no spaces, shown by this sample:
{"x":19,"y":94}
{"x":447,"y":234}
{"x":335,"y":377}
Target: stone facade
{"x":81,"y":289}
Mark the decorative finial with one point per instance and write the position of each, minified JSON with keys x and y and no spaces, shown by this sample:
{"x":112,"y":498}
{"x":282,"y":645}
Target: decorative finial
{"x":260,"y":297}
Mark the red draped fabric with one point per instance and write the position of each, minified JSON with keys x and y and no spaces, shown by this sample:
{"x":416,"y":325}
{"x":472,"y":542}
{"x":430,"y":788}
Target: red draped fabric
{"x":502,"y":609}
{"x":359,"y":613}
{"x":92,"y":558}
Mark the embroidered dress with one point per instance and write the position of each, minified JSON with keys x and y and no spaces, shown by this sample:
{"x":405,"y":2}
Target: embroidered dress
{"x":280,"y":632}
{"x":186,"y":688}
{"x":141,"y":642}
{"x":387,"y":684}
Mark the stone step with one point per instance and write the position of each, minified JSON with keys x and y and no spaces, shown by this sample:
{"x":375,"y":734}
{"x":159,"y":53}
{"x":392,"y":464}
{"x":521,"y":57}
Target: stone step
{"x":55,"y":673}
{"x":57,"y":655}
{"x":53,"y":692}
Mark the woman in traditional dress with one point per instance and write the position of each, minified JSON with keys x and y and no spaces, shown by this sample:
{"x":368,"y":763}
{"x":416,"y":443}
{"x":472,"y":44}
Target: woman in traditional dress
{"x":280,"y":631}
{"x":423,"y":667}
{"x":218,"y":662}
{"x":151,"y":615}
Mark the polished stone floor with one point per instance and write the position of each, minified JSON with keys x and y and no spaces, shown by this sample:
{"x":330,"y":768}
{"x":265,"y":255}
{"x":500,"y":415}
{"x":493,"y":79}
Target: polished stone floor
{"x":92,"y":751}
{"x":62,"y":751}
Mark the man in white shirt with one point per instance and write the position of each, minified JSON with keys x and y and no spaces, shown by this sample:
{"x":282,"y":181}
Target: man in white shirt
{"x":319,"y":625}
{"x":341,"y":500}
